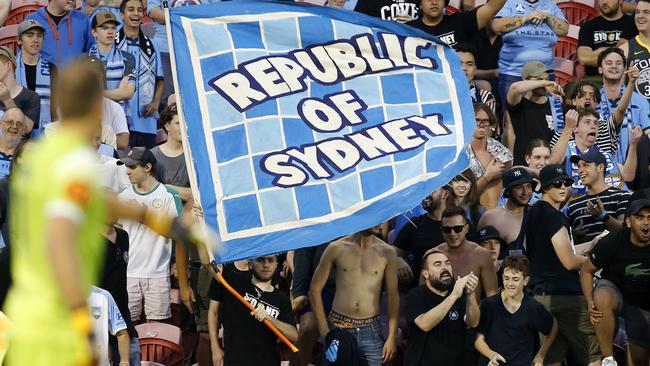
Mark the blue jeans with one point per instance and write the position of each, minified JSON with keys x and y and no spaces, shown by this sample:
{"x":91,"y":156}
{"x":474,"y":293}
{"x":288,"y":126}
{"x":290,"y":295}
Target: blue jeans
{"x":134,"y":357}
{"x":370,"y":342}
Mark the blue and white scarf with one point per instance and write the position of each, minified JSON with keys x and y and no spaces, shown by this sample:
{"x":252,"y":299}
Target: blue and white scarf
{"x":606,"y":109}
{"x":43,"y":89}
{"x":146,"y":73}
{"x":613,"y":176}
{"x":557,"y":111}
{"x":114,"y":65}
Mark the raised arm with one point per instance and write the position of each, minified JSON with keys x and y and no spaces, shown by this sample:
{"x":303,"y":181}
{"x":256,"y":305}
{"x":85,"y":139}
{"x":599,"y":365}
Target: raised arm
{"x":318,"y":282}
{"x":505,"y":25}
{"x":486,"y":12}
{"x":519,"y":89}
{"x":628,"y":171}
{"x":558,"y":153}
{"x":624,"y":103}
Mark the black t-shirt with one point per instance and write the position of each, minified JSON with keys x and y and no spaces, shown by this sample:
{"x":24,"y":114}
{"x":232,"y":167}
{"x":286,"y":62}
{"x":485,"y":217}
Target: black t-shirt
{"x":513,"y":336}
{"x":547,"y":272}
{"x":30,"y":75}
{"x":600,"y":32}
{"x":488,"y":52}
{"x":442,"y":345}
{"x":530,"y":121}
{"x":626,"y":265}
{"x":388,"y":9}
{"x":426,"y":234}
{"x":30,"y":103}
{"x":113,"y":277}
{"x":453,"y":29}
{"x":55,"y":18}
{"x":247,"y":342}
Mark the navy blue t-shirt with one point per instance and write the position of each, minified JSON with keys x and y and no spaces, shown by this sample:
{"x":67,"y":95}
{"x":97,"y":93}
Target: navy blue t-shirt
{"x":513,"y":336}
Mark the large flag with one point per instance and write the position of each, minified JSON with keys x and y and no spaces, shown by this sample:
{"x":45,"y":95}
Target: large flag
{"x":306,"y":123}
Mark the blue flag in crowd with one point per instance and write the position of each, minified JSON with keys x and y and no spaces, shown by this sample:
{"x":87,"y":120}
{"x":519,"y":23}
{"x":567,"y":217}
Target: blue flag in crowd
{"x":307,"y":123}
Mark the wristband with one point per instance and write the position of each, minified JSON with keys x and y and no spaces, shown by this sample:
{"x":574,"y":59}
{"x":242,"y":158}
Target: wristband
{"x":604,"y":216}
{"x":80,"y":320}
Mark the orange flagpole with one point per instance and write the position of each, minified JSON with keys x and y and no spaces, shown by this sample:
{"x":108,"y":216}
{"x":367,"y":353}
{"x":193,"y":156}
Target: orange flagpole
{"x":239,"y":297}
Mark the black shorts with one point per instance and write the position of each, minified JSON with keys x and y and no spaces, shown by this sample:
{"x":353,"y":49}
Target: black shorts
{"x":637,"y":320}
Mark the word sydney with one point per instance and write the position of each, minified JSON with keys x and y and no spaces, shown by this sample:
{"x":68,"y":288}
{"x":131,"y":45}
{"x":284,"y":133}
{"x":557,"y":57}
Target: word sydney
{"x":321,"y":159}
{"x":259,"y":80}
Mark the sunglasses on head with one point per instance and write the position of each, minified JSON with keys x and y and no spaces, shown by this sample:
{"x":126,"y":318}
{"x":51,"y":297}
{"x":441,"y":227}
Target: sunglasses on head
{"x":457,"y":229}
{"x":561,"y":183}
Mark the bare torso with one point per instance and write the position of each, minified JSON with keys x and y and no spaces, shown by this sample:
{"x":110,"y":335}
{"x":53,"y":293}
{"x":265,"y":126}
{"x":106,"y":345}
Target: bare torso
{"x":359,"y":276}
{"x":468,"y":258}
{"x":507,"y":223}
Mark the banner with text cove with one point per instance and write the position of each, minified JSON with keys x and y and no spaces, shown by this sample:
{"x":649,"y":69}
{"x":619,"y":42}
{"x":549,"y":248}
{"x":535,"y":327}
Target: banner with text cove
{"x":305,"y":123}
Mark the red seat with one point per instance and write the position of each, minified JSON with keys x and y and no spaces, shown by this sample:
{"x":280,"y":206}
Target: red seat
{"x":161,"y":351}
{"x":563,"y":70}
{"x":163,"y":331}
{"x":22,"y":8}
{"x":451,"y":10}
{"x":149,"y":363}
{"x":577,"y":13}
{"x":566,"y":47}
{"x":9,"y":36}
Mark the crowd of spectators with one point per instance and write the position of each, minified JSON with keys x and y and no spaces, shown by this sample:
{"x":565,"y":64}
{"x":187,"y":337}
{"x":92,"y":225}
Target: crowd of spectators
{"x":538,"y":253}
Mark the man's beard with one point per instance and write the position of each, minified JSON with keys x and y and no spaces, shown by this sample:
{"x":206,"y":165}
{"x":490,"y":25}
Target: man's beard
{"x":442,"y":285}
{"x":432,"y":206}
{"x":261,"y":278}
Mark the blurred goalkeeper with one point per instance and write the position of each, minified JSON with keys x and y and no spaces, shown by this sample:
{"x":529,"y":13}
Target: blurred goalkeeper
{"x":58,"y":213}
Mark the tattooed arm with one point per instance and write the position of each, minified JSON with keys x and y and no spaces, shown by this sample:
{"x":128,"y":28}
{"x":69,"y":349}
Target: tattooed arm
{"x":505,"y":25}
{"x":559,"y":26}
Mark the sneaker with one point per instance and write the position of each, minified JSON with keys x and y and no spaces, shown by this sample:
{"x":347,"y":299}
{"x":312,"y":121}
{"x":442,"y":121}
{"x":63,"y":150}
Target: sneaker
{"x":609,"y":361}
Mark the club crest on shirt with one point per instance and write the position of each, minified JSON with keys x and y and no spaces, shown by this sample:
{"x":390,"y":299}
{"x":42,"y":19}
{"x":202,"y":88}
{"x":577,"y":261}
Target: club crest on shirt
{"x":96,"y":311}
{"x":453,"y":315}
{"x":519,"y":9}
{"x":157,"y":203}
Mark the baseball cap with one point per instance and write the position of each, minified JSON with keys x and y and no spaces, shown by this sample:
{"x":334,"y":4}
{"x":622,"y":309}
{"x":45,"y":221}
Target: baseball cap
{"x":8,"y":53}
{"x":533,"y":68}
{"x":553,"y":173}
{"x":27,"y":25}
{"x":488,"y":232}
{"x":104,"y":17}
{"x":138,"y":156}
{"x":515,"y":177}
{"x":637,"y":206}
{"x":592,"y":155}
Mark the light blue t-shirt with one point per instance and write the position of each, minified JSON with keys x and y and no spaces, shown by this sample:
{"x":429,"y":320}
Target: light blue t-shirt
{"x":159,"y":31}
{"x":528,"y":42}
{"x":146,"y":74}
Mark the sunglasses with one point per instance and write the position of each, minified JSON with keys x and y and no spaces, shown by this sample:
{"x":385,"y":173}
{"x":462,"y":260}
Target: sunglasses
{"x":561,"y":183}
{"x":457,"y":229}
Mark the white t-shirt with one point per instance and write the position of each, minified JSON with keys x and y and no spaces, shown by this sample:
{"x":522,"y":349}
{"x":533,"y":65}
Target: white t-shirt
{"x":149,"y":253}
{"x":112,"y":175}
{"x":114,"y":116}
{"x":106,"y":318}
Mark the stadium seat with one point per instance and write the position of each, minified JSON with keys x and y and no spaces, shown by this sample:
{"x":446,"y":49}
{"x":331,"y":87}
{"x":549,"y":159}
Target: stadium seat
{"x":451,"y":10}
{"x":150,"y":363}
{"x":9,"y":36}
{"x":164,"y":331}
{"x":161,"y":351}
{"x":566,"y":47}
{"x":563,"y":70}
{"x":22,"y":8}
{"x":577,"y":13}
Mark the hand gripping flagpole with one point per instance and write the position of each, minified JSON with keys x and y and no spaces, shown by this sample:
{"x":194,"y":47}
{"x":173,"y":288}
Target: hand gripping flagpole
{"x":207,"y":258}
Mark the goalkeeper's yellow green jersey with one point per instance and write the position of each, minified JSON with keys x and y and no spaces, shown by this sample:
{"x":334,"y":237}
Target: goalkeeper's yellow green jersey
{"x":55,"y":177}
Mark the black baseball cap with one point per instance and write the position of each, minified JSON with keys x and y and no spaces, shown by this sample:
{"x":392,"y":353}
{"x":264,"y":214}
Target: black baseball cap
{"x":515,"y":177}
{"x":488,"y":232}
{"x":636,"y":206}
{"x":138,"y":156}
{"x":592,"y":155}
{"x":553,"y":173}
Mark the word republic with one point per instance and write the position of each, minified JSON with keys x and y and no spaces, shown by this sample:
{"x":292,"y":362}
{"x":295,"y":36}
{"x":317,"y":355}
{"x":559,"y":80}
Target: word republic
{"x":269,"y":77}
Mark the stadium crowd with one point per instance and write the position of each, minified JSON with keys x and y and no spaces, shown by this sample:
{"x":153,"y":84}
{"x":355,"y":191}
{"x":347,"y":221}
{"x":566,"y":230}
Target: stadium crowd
{"x":537,"y":254}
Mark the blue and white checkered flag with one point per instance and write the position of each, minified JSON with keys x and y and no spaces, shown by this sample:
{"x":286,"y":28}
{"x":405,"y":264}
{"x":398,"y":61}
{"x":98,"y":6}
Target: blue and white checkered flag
{"x":307,"y":123}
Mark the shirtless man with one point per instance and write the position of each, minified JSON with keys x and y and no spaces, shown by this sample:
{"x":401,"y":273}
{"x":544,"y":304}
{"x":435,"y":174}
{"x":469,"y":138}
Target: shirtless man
{"x":509,"y":218}
{"x":466,"y":257}
{"x":362,"y":262}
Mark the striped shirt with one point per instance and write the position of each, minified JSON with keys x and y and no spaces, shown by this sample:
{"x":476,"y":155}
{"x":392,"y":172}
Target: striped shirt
{"x":482,"y":96}
{"x":606,"y":139}
{"x":614,"y":201}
